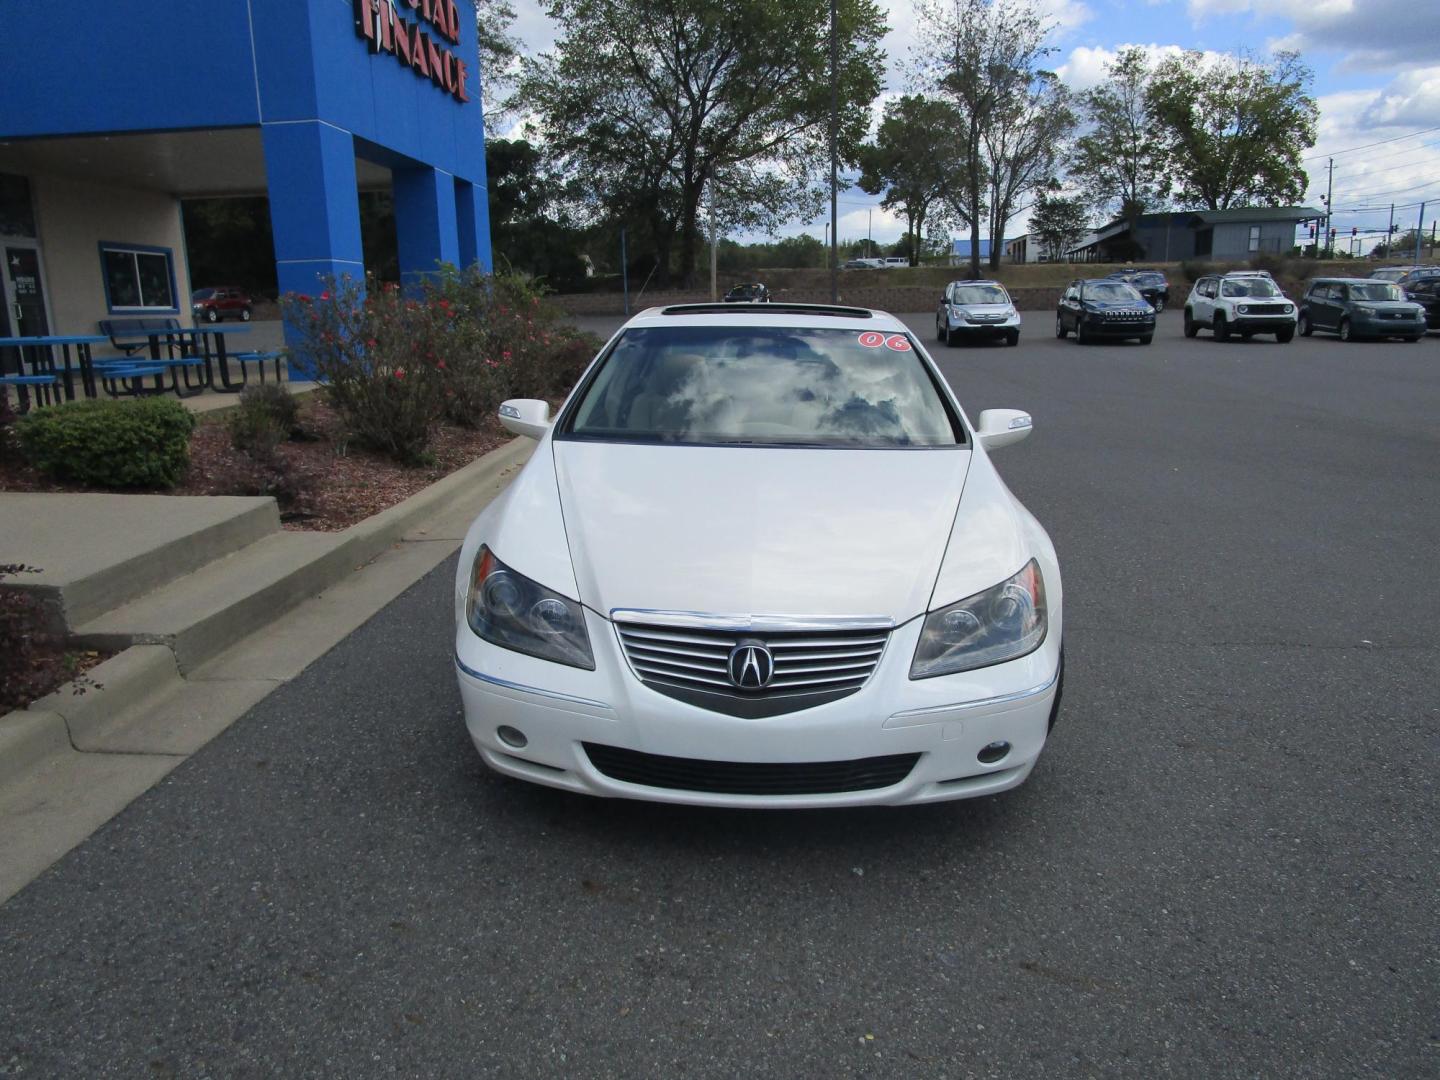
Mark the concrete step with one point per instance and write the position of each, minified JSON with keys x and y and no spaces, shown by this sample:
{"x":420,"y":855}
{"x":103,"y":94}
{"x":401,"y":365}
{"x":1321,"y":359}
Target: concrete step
{"x":95,"y":552}
{"x":204,"y":612}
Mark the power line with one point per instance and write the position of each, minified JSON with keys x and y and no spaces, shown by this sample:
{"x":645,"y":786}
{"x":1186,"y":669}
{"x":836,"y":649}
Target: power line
{"x":1367,"y":146}
{"x":1392,"y":191}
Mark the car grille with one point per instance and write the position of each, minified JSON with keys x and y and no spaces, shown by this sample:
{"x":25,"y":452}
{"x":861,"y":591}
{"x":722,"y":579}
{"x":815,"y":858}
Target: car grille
{"x":1126,"y":316}
{"x":1266,"y":309}
{"x":749,"y":777}
{"x":810,"y":666}
{"x":985,"y":318}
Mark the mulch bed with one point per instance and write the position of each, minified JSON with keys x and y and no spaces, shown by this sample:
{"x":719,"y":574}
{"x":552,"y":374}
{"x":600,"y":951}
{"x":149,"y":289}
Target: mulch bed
{"x":44,"y":669}
{"x":326,"y":484}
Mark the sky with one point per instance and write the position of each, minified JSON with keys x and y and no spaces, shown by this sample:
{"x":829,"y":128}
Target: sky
{"x":1377,"y":83}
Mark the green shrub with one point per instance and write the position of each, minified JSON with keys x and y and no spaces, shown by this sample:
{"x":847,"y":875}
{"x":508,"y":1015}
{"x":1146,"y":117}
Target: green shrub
{"x":1276,"y":265}
{"x":266,"y":416}
{"x":143,"y":443}
{"x":1195,"y":269}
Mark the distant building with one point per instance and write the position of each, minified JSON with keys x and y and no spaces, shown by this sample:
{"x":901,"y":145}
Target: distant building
{"x":1227,"y":235}
{"x":960,"y":251}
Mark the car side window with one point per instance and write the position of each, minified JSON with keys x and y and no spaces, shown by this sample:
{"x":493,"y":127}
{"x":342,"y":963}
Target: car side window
{"x":1072,"y":293}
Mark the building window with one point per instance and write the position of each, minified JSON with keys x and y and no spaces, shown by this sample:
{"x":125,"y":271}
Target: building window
{"x":1254,"y":237}
{"x":138,"y":278}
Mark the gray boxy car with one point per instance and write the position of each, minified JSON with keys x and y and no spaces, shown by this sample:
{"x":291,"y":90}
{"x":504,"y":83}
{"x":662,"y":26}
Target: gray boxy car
{"x":1360,"y":308}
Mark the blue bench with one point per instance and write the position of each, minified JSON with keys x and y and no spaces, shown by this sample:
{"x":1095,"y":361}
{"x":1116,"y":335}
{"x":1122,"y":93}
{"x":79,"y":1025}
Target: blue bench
{"x":121,"y":332}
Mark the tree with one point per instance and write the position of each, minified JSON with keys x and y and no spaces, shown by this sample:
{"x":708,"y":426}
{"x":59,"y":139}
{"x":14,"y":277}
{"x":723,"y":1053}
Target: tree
{"x":1058,"y":223}
{"x":661,"y":100}
{"x":983,"y":57}
{"x":1120,"y":161}
{"x":909,"y":161}
{"x":499,"y":49}
{"x":1233,"y":129}
{"x":1023,"y":148}
{"x":527,"y":229}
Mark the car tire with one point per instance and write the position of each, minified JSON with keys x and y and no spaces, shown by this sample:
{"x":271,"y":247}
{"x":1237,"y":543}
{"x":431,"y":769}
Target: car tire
{"x":1146,"y":339}
{"x":1191,"y":327}
{"x":1304,"y":326}
{"x":1284,"y":336}
{"x":1060,"y":330}
{"x":245,"y":315}
{"x":1247,"y":334}
{"x":1059,"y":692}
{"x":1012,"y":338}
{"x":1346,"y":334}
{"x":1159,"y":304}
{"x":1414,"y":337}
{"x":1221,"y":328}
{"x":1081,"y":338}
{"x":211,"y":315}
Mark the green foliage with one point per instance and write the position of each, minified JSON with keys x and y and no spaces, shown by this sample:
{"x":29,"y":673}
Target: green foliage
{"x":653,"y":106}
{"x":527,"y":234}
{"x":229,"y":242}
{"x":1058,"y":222}
{"x":1277,"y":265}
{"x":912,"y":160}
{"x":1233,"y":130}
{"x":113,"y":444}
{"x":984,"y":58}
{"x":1120,"y":160}
{"x":397,"y":364}
{"x":1194,"y":269}
{"x":265,"y":417}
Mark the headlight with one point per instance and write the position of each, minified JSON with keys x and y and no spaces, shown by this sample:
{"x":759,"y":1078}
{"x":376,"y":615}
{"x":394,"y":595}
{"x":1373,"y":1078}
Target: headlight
{"x":999,"y":624}
{"x":1364,"y":309}
{"x":1289,"y":309}
{"x":510,"y":610}
{"x":1243,"y":309}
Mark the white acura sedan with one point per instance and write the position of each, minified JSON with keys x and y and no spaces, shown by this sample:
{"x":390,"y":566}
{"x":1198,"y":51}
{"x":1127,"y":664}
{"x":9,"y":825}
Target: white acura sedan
{"x":760,"y":558}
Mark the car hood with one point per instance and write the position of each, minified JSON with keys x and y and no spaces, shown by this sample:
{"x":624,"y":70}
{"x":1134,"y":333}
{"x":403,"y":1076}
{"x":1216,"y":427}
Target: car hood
{"x":984,"y":309}
{"x":757,"y":531}
{"x":1117,"y":305}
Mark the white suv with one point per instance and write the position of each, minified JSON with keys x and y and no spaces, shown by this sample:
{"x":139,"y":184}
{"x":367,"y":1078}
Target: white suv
{"x":977,"y":309}
{"x":1244,"y":302}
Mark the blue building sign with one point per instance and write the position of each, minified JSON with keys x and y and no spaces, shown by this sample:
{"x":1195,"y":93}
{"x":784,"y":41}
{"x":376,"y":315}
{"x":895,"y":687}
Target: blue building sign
{"x":307,"y":102}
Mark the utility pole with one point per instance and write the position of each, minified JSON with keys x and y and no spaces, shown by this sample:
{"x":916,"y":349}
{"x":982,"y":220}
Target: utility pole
{"x":1329,"y":191}
{"x":834,"y":166}
{"x":714,"y":292}
{"x":1390,"y":233}
{"x":1419,"y":231}
{"x":869,"y":244}
{"x":624,"y":272}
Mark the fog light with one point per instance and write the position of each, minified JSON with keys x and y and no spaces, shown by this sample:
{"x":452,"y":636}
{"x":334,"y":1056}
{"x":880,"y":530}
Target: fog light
{"x":996,"y":751}
{"x":513,"y":737}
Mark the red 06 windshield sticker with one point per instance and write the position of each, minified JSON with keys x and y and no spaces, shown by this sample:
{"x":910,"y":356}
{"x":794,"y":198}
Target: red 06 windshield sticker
{"x":871,"y":340}
{"x":897,"y":343}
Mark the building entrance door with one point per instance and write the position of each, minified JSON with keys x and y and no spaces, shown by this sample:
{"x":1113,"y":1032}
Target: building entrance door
{"x":24,"y":289}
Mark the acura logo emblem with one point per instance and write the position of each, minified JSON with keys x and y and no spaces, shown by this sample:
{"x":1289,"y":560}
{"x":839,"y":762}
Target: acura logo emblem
{"x":751,"y":665}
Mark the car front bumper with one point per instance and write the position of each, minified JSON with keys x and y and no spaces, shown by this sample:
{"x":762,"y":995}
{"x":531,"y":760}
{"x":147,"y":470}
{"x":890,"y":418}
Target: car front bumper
{"x":945,"y":721}
{"x":965,"y":328}
{"x":1375,"y":326}
{"x":1120,"y":328}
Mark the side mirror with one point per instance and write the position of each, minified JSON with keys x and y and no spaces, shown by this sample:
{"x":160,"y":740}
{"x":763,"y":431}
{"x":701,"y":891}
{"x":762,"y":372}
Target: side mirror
{"x":1001,"y":427}
{"x":526,"y":416}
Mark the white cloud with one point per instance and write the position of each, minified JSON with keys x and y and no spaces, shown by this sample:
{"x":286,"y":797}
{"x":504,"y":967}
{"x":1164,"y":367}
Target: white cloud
{"x":1085,"y":66}
{"x":1371,"y":34}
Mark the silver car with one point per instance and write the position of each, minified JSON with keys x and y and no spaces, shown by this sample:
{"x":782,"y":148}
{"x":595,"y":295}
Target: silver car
{"x":977,"y":310}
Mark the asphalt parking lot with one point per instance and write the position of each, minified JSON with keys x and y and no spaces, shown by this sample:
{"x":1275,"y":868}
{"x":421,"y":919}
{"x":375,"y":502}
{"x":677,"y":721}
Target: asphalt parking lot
{"x":1224,"y":865}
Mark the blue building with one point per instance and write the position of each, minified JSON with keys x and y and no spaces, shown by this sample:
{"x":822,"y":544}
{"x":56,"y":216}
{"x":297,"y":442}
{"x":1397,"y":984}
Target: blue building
{"x":111,"y":113}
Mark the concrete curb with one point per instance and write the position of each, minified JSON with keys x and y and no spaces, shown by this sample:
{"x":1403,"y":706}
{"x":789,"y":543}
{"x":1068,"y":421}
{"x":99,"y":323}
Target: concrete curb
{"x":142,"y":671}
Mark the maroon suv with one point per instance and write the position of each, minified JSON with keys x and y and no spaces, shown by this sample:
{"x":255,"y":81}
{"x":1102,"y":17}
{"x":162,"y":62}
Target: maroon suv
{"x":221,"y":302}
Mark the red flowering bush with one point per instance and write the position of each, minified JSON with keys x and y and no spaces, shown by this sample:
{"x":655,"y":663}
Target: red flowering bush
{"x":454,"y":348}
{"x":369,"y":350}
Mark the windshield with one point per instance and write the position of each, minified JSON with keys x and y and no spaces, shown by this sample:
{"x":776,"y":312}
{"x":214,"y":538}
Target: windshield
{"x":1249,"y":287}
{"x":776,"y":386}
{"x":1389,"y":275}
{"x":1111,"y":290}
{"x":1149,"y":279}
{"x":202,"y":294}
{"x":980,"y":294}
{"x":1375,"y":290}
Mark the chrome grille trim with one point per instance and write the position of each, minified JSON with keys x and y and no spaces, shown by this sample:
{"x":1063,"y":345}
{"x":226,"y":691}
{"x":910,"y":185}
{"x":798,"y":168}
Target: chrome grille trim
{"x":835,"y":659}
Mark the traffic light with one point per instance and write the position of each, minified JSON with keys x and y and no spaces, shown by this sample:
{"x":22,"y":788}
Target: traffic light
{"x":1332,"y":235}
{"x":1312,"y":232}
{"x":1394,"y":228}
{"x":1354,"y":230}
